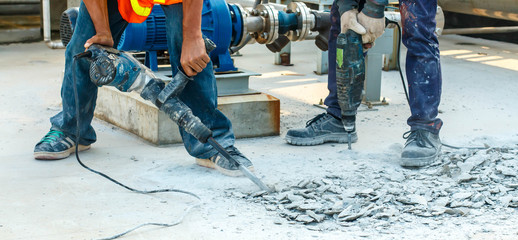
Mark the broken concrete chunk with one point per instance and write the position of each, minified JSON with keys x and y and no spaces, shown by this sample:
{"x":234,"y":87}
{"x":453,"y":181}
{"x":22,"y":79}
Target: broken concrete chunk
{"x":293,"y":205}
{"x":505,"y":200}
{"x":478,"y":204}
{"x":346,"y":212}
{"x":438,"y":210}
{"x":412,"y":199}
{"x":366,"y":191}
{"x":441,"y":202}
{"x":317,"y":217}
{"x":295,"y":198}
{"x":335,"y":189}
{"x":351,"y":217}
{"x":327,"y":181}
{"x":465,"y":177}
{"x":304,"y":219}
{"x":461,"y":195}
{"x":257,"y":194}
{"x":478,"y":197}
{"x":303,"y":183}
{"x":417,"y":199}
{"x":506,"y":170}
{"x":457,"y":211}
{"x":456,"y":204}
{"x":323,"y":188}
{"x":310,"y":206}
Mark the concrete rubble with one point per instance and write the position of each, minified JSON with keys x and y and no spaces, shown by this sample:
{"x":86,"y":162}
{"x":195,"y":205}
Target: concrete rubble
{"x":463,"y":182}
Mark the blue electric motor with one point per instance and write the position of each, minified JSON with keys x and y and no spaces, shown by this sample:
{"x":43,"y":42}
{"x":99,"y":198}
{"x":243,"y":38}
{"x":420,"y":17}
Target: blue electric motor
{"x":217,"y":25}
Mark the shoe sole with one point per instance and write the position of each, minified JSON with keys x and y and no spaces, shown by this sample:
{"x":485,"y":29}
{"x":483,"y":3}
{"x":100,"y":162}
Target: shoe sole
{"x":337,"y":138}
{"x":232,"y":173}
{"x":419,"y":162}
{"x":59,"y":155}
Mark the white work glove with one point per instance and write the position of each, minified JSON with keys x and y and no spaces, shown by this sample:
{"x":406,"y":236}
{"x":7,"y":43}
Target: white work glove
{"x":349,"y":20}
{"x":370,"y":28}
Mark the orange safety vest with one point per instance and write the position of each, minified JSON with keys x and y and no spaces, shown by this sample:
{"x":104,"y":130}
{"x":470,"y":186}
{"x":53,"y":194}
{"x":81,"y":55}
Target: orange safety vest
{"x":136,"y":11}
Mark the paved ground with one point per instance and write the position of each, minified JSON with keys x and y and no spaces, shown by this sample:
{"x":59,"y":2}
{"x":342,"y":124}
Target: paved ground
{"x":60,"y":200}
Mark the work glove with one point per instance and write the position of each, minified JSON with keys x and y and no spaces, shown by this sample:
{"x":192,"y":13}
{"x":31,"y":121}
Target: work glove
{"x":374,"y":27}
{"x":370,"y":28}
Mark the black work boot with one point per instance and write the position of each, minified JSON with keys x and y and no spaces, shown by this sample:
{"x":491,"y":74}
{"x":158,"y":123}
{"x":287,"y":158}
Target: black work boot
{"x":321,"y":129}
{"x":421,"y":148}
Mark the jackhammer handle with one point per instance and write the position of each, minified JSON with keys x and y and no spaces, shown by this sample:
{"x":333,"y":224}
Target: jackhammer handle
{"x":177,"y":84}
{"x":209,"y":44}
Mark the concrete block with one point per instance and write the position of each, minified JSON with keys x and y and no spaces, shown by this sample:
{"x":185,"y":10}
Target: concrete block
{"x":252,"y":115}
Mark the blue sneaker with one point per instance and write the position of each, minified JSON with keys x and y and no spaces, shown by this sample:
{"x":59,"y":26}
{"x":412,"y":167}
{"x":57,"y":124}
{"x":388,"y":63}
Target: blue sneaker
{"x":56,"y":145}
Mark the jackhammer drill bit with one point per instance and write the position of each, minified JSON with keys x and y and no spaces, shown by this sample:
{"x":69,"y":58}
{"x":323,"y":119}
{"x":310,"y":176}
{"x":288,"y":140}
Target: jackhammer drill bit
{"x":350,"y":76}
{"x":121,"y":70}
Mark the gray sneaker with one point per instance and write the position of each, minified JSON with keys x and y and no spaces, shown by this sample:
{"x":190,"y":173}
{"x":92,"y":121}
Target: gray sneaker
{"x":321,"y":129}
{"x":224,"y":165}
{"x":421,"y":148}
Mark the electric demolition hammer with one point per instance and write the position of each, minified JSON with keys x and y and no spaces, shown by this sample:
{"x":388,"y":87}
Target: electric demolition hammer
{"x":350,"y":72}
{"x":350,"y":76}
{"x":111,"y":67}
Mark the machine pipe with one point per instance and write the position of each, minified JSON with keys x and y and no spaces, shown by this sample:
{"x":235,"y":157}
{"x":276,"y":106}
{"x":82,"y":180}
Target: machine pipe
{"x":254,"y":24}
{"x":47,"y":26}
{"x":482,"y":30}
{"x":287,"y":22}
{"x":501,"y":9}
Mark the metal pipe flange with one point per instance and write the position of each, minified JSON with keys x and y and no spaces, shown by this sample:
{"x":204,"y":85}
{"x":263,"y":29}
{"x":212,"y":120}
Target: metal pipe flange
{"x":271,"y":24}
{"x":244,"y":28}
{"x":305,"y":21}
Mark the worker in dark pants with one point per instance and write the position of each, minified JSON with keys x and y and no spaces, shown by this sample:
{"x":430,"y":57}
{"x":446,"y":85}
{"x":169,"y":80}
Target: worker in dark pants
{"x":103,"y":22}
{"x":422,"y":69}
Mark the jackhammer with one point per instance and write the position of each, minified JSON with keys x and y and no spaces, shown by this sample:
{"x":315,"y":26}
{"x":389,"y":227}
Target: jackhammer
{"x":111,"y":67}
{"x":350,"y":76}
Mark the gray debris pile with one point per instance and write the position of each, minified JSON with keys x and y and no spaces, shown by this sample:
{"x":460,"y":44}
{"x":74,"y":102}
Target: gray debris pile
{"x":463,"y":182}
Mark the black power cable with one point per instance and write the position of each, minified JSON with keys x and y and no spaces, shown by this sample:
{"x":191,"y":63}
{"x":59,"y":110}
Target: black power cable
{"x":398,"y":63}
{"x":76,"y":96}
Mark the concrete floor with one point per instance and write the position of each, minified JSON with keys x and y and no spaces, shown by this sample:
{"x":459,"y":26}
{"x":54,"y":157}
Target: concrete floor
{"x":60,"y":200}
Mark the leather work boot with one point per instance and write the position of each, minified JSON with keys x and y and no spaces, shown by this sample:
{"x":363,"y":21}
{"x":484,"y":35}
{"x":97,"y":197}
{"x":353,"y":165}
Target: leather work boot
{"x":321,"y":129}
{"x":421,"y":148}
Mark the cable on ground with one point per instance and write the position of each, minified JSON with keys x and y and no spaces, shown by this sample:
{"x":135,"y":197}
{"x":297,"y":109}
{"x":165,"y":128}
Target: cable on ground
{"x":76,"y":96}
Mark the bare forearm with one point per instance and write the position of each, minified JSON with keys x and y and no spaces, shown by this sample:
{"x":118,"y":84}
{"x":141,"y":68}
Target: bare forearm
{"x":98,"y":10}
{"x":192,"y":19}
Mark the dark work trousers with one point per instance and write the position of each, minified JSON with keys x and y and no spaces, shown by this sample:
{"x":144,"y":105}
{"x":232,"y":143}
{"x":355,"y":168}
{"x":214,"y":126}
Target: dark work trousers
{"x":423,"y":69}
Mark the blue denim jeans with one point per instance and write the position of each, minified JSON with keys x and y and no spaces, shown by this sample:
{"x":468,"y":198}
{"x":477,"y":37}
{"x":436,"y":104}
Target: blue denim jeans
{"x":200,"y":95}
{"x":423,"y":69}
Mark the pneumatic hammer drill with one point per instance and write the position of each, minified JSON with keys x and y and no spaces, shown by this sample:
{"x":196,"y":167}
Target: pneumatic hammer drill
{"x":111,"y":67}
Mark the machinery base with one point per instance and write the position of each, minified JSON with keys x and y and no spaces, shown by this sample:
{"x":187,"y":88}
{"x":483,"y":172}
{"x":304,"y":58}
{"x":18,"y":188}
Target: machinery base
{"x":252,"y":115}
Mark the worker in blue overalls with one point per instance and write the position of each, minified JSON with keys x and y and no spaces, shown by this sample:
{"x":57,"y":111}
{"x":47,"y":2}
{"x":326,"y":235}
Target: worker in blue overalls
{"x":366,"y":17}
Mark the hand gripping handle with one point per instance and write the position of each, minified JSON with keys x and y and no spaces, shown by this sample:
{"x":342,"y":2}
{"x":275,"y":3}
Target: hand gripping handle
{"x":177,"y":84}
